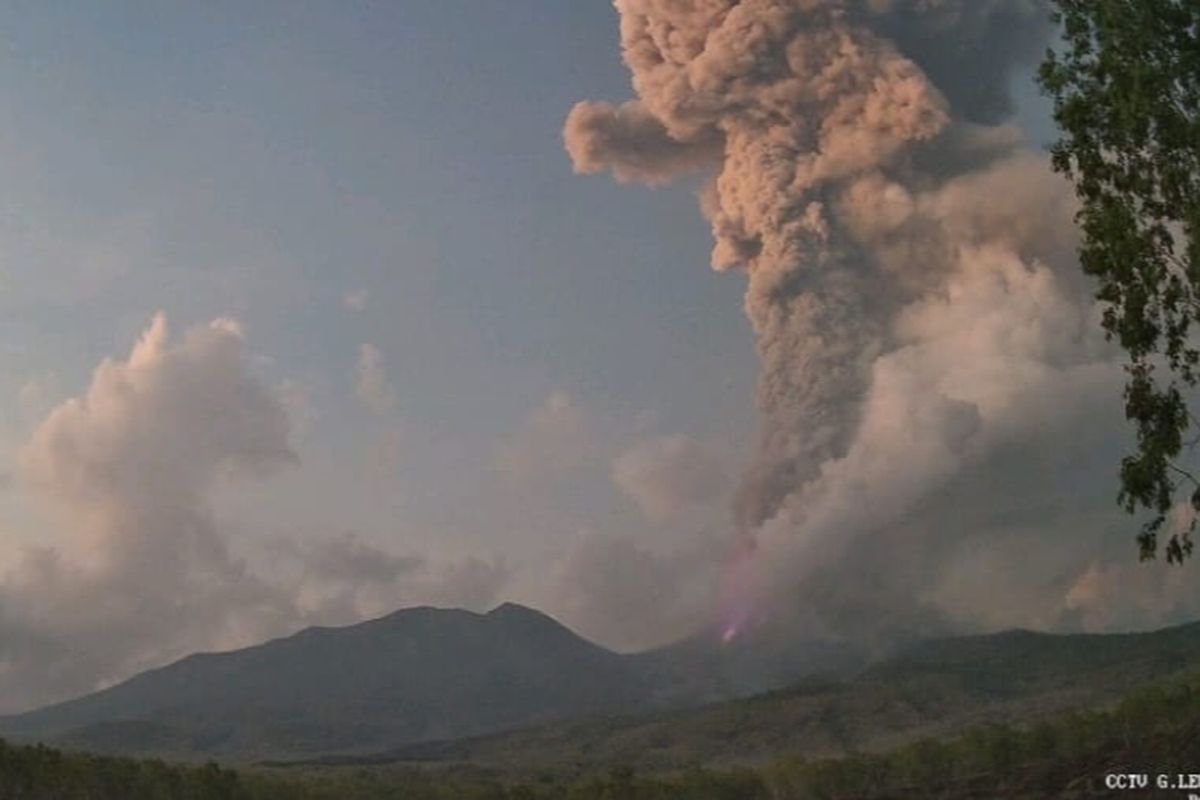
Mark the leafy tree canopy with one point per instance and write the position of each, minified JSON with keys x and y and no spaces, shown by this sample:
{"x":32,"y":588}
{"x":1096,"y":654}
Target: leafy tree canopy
{"x":1126,"y":88}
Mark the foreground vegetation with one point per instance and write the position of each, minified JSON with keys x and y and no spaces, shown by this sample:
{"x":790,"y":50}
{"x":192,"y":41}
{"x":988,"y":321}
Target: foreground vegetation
{"x":1154,"y":729}
{"x":931,"y":691}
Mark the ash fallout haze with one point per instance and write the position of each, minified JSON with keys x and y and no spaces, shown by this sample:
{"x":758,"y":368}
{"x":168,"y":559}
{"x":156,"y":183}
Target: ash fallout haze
{"x":305,"y":316}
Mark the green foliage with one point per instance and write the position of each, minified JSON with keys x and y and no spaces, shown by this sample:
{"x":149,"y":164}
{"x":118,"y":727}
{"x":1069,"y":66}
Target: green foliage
{"x":898,"y":716}
{"x":1126,"y":91}
{"x":924,"y":691}
{"x":40,"y":773}
{"x":1152,"y":726}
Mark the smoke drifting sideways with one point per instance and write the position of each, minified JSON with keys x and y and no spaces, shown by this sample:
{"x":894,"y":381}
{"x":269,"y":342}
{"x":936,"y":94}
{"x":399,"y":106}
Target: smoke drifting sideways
{"x":939,"y":415}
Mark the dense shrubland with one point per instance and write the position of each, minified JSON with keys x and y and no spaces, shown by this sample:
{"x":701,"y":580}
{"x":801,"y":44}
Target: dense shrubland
{"x":1152,"y":730}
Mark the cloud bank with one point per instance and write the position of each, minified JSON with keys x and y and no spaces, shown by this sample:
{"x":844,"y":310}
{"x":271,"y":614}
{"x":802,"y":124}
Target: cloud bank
{"x":141,"y":569}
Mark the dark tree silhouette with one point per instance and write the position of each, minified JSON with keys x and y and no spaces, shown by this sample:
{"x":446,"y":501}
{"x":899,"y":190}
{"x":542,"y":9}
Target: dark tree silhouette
{"x":1125,"y":81}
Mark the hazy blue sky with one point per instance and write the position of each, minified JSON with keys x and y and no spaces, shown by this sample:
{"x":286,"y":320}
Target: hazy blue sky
{"x":502,"y":379}
{"x":263,"y":161}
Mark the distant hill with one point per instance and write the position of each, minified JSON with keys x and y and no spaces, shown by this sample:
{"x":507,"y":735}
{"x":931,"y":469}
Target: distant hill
{"x":1151,"y":730}
{"x":934,"y":688}
{"x":703,"y":668}
{"x":513,"y":687}
{"x":417,"y":674}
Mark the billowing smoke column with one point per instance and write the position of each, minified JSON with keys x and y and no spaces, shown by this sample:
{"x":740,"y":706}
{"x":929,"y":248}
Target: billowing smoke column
{"x":801,"y":103}
{"x":831,"y":127}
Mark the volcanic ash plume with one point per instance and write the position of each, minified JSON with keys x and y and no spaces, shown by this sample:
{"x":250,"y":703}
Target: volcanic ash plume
{"x":862,"y":182}
{"x":808,"y":104}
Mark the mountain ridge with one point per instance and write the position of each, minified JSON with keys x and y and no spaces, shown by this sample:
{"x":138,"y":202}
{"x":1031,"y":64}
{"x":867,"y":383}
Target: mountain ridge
{"x":451,"y":683}
{"x":403,"y":676}
{"x":930,"y":688}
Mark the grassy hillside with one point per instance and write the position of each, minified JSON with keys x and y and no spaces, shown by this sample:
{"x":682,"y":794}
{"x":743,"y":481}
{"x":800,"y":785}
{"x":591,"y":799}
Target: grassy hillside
{"x":1153,"y":729}
{"x":930,"y":690}
{"x":935,"y":690}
